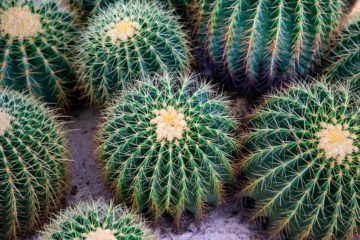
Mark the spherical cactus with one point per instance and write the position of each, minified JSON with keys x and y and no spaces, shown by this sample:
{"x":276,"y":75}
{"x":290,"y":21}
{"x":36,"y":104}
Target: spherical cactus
{"x":263,"y":44}
{"x":127,"y":41}
{"x":97,"y":221}
{"x":32,"y":166}
{"x":303,"y":162}
{"x":35,"y":45}
{"x":345,"y":56}
{"x":166,"y":146}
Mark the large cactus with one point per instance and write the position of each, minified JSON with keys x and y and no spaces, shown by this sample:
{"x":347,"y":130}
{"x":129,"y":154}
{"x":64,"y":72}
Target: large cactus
{"x":97,"y":221}
{"x":32,"y":164}
{"x":345,"y":56}
{"x":264,"y":43}
{"x":303,"y":162}
{"x":35,"y":45}
{"x":166,"y":145}
{"x":127,"y":41}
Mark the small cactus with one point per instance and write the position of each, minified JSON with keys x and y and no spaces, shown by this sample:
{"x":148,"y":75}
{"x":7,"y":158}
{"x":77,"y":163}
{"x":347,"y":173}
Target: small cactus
{"x":166,"y":145}
{"x":32,"y":166}
{"x":345,"y":56}
{"x":128,"y":41}
{"x":303,"y":163}
{"x":263,"y":43}
{"x":35,"y":45}
{"x":97,"y":221}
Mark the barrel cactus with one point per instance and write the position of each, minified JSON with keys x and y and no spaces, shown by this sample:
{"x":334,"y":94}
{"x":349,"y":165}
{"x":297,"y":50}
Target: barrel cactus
{"x":128,"y":41}
{"x":263,"y":43}
{"x":97,"y":221}
{"x":303,"y":162}
{"x":32,"y":166}
{"x":345,"y":56}
{"x":166,"y":145}
{"x":35,"y":46}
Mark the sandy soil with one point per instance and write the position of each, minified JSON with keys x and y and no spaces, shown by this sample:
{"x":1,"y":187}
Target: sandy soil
{"x":85,"y":182}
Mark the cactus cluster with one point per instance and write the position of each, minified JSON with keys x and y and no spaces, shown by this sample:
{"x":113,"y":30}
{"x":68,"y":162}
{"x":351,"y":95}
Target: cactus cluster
{"x":128,"y":41}
{"x":262,"y":43}
{"x":32,"y":166}
{"x":35,"y":46}
{"x":167,"y":144}
{"x":97,"y":220}
{"x":345,"y":56}
{"x":303,"y":163}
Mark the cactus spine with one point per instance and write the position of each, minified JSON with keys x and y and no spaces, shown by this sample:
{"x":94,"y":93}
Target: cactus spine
{"x":35,"y":45}
{"x":345,"y":56}
{"x":264,"y":43}
{"x":303,"y":162}
{"x":32,"y":164}
{"x":97,"y":221}
{"x":127,"y":42}
{"x":166,"y":145}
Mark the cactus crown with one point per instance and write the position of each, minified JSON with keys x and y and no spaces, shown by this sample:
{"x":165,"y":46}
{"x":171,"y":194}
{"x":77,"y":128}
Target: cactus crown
{"x":167,"y":144}
{"x":32,"y":166}
{"x":20,"y":22}
{"x":5,"y":120}
{"x":97,"y":220}
{"x":127,"y":41}
{"x":304,"y":162}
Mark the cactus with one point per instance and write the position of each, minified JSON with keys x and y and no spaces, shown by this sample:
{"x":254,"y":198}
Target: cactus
{"x":35,"y":46}
{"x":127,"y":41}
{"x":32,"y":166}
{"x":263,"y":43}
{"x":166,"y":146}
{"x":303,"y":162}
{"x":97,"y":221}
{"x":345,"y":56}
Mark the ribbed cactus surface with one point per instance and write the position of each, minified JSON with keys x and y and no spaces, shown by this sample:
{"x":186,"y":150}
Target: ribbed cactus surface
{"x":128,"y":41}
{"x":303,"y":162}
{"x":166,"y":146}
{"x":345,"y":56}
{"x":32,"y":164}
{"x":264,"y":43}
{"x":35,"y":46}
{"x":97,"y":221}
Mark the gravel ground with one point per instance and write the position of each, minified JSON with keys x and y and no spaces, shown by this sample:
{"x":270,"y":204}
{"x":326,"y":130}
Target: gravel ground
{"x":86,"y":181}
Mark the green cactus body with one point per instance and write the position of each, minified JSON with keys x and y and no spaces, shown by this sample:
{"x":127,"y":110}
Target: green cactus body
{"x":97,"y":221}
{"x":35,"y":46}
{"x":32,"y":164}
{"x":126,"y":42}
{"x":166,"y":146}
{"x":345,"y":56}
{"x":303,"y":162}
{"x":264,"y":43}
